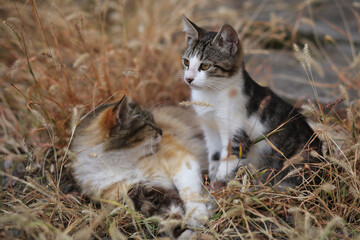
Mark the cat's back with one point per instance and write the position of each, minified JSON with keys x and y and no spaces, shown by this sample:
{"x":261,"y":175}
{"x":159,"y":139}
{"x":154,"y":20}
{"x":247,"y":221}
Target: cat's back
{"x":183,"y":124}
{"x":182,"y":147}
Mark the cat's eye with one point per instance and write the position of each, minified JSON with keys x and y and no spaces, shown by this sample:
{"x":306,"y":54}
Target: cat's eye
{"x":186,"y":62}
{"x":204,"y":66}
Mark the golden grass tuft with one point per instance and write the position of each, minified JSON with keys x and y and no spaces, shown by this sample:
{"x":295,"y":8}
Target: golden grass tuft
{"x":64,"y":58}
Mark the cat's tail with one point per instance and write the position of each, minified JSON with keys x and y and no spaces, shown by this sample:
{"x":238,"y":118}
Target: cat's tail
{"x":164,"y":203}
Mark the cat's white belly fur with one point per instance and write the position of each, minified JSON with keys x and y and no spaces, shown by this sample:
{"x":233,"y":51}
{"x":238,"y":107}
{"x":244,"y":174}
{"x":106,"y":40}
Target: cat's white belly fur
{"x":92,"y":170}
{"x":99,"y":170}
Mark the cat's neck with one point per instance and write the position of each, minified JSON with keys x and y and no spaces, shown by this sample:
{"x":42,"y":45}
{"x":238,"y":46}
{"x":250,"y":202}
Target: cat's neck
{"x":230,"y":88}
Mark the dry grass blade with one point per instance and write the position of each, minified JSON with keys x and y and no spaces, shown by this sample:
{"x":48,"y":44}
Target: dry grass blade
{"x":188,"y":104}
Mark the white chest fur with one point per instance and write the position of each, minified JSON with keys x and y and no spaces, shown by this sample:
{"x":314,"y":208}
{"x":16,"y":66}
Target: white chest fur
{"x":228,"y":111}
{"x":228,"y":108}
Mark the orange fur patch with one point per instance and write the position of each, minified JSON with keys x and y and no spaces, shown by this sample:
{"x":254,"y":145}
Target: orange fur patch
{"x":99,"y":128}
{"x":107,"y":119}
{"x":168,"y":160}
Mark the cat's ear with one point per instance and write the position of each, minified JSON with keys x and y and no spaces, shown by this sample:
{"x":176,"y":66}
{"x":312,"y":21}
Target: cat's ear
{"x":227,"y":39}
{"x":121,"y":110}
{"x":193,"y":32}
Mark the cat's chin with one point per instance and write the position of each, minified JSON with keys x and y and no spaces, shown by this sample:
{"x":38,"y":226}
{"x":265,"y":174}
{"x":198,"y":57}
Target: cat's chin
{"x":151,"y":150}
{"x":151,"y":146}
{"x":194,"y":87}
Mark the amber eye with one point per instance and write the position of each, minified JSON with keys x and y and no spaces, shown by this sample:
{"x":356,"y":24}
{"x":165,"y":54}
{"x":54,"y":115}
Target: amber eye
{"x":186,"y":62}
{"x":204,"y":66}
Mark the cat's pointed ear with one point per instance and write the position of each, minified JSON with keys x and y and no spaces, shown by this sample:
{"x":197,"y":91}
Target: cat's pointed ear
{"x":121,"y":110}
{"x":193,"y":32}
{"x":227,"y":39}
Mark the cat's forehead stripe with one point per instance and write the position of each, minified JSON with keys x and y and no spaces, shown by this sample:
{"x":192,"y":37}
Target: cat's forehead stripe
{"x":194,"y":62}
{"x":199,"y":46}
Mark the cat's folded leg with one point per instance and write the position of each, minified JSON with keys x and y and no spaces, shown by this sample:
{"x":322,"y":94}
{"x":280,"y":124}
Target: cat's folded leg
{"x":188,"y":182}
{"x":231,"y":161}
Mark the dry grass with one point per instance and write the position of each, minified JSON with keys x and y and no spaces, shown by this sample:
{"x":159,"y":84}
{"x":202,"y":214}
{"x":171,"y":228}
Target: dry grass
{"x":60,"y":59}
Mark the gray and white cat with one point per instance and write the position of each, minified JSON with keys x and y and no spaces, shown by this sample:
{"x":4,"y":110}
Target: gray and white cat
{"x":242,"y":111}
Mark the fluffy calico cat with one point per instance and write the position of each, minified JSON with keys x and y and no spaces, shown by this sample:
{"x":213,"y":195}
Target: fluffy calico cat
{"x":241,"y":111}
{"x":155,"y":158}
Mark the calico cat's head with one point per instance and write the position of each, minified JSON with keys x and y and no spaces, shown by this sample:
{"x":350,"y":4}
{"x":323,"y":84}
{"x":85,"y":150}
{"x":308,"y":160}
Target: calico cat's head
{"x":210,"y":56}
{"x":119,"y":126}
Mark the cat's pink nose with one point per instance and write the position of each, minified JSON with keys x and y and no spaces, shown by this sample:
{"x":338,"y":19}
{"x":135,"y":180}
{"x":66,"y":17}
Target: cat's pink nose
{"x":189,"y":80}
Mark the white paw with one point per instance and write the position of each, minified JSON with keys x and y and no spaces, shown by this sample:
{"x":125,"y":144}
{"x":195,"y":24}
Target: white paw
{"x":227,"y":169}
{"x":187,"y":235}
{"x":198,"y":216}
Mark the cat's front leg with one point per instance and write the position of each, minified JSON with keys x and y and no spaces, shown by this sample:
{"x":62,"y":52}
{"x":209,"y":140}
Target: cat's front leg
{"x":225,"y":138}
{"x":188,"y":182}
{"x":213,"y":144}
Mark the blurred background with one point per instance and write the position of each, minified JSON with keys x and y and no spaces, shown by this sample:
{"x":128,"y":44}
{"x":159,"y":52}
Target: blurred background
{"x":143,"y":41}
{"x":59,"y":59}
